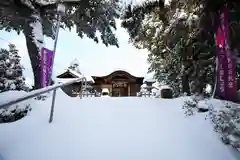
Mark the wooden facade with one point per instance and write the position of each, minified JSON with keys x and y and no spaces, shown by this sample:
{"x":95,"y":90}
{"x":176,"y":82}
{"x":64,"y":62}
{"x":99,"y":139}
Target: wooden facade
{"x":119,"y":83}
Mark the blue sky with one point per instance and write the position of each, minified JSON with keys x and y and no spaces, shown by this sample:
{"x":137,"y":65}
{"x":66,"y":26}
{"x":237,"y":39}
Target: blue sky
{"x":95,"y":59}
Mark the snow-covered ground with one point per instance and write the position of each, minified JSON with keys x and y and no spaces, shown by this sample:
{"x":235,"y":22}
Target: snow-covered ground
{"x":130,"y":128}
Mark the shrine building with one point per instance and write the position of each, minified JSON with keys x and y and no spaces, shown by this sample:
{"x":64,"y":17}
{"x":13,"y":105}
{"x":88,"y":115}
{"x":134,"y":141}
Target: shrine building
{"x":119,"y":83}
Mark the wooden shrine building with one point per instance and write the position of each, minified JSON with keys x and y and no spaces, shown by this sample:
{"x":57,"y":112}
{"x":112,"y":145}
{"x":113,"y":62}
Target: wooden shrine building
{"x":72,"y":89}
{"x":119,"y":83}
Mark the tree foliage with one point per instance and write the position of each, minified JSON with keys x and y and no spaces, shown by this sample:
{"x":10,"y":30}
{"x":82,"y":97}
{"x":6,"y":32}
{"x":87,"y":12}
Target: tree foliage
{"x":88,"y":17}
{"x":93,"y":18}
{"x":180,"y":39}
{"x":11,"y":71}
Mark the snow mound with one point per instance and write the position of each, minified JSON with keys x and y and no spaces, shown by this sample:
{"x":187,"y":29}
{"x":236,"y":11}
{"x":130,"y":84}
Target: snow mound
{"x":164,"y":87}
{"x":149,"y":77}
{"x":225,"y":117}
{"x":12,"y":95}
{"x":14,"y":112}
{"x":111,"y":128}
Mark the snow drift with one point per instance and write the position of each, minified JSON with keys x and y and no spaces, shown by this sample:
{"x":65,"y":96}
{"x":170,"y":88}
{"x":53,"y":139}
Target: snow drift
{"x":129,"y":128}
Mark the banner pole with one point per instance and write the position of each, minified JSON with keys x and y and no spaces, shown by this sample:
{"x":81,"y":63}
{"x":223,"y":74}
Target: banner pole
{"x":216,"y":68}
{"x":55,"y":47}
{"x":60,"y":12}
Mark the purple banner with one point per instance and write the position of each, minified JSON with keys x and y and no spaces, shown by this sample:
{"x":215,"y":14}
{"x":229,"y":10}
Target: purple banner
{"x":226,"y":68}
{"x":46,"y":66}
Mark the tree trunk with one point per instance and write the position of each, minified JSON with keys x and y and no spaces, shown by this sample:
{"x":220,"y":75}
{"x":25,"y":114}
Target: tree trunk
{"x":33,"y":32}
{"x":185,"y":84}
{"x":185,"y":80}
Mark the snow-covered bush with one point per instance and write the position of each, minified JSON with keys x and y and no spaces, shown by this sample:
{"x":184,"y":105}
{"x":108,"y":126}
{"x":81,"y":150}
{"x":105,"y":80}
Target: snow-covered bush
{"x":225,"y":117}
{"x":13,"y":115}
{"x":14,"y":112}
{"x":190,"y":106}
{"x":11,"y":71}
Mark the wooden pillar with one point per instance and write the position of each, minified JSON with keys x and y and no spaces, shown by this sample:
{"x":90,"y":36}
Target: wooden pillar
{"x":129,"y":89}
{"x":110,"y":90}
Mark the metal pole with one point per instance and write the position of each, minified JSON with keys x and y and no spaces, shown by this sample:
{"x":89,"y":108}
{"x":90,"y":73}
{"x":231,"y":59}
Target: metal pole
{"x":80,"y":93}
{"x":216,"y":76}
{"x":59,"y":17}
{"x":52,"y":107}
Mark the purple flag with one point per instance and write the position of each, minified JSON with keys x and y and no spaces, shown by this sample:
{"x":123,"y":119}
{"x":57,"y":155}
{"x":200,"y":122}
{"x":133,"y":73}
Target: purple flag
{"x":46,"y":66}
{"x":226,"y":72}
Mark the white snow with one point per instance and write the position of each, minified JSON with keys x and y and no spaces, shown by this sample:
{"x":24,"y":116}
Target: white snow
{"x":164,"y":87}
{"x":106,"y":73}
{"x":105,"y":90}
{"x":64,"y":80}
{"x":89,"y":78}
{"x":208,"y":88}
{"x":202,"y":104}
{"x":149,"y":77}
{"x":45,"y":2}
{"x":225,"y":118}
{"x":11,"y":94}
{"x":8,"y":95}
{"x":129,"y":128}
{"x":79,"y":75}
{"x":37,"y":32}
{"x":140,"y":2}
{"x":49,"y":2}
{"x":79,"y":70}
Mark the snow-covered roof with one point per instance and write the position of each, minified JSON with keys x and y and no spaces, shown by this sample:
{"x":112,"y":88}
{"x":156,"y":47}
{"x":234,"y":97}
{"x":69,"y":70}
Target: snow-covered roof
{"x":125,"y":70}
{"x":64,"y":80}
{"x":82,"y":70}
{"x":143,"y":85}
{"x":89,"y":78}
{"x":106,"y":73}
{"x":75,"y":73}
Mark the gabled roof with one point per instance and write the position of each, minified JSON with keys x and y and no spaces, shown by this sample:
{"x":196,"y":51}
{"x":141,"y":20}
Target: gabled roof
{"x":74,"y":74}
{"x":110,"y":71}
{"x":117,"y":72}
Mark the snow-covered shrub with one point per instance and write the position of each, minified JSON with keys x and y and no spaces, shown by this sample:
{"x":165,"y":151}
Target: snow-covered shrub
{"x":226,"y":120}
{"x":225,"y":117}
{"x":190,"y":106}
{"x":195,"y":103}
{"x":11,"y":71}
{"x":14,"y":112}
{"x":13,"y":115}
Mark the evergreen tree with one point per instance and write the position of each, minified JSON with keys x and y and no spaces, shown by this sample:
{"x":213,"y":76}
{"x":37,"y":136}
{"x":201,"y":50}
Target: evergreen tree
{"x":75,"y":66}
{"x":180,"y":38}
{"x":36,"y":18}
{"x":11,"y":71}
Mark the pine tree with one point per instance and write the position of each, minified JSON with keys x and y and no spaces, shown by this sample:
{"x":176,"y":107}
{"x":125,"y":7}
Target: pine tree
{"x":11,"y":71}
{"x":75,"y":66}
